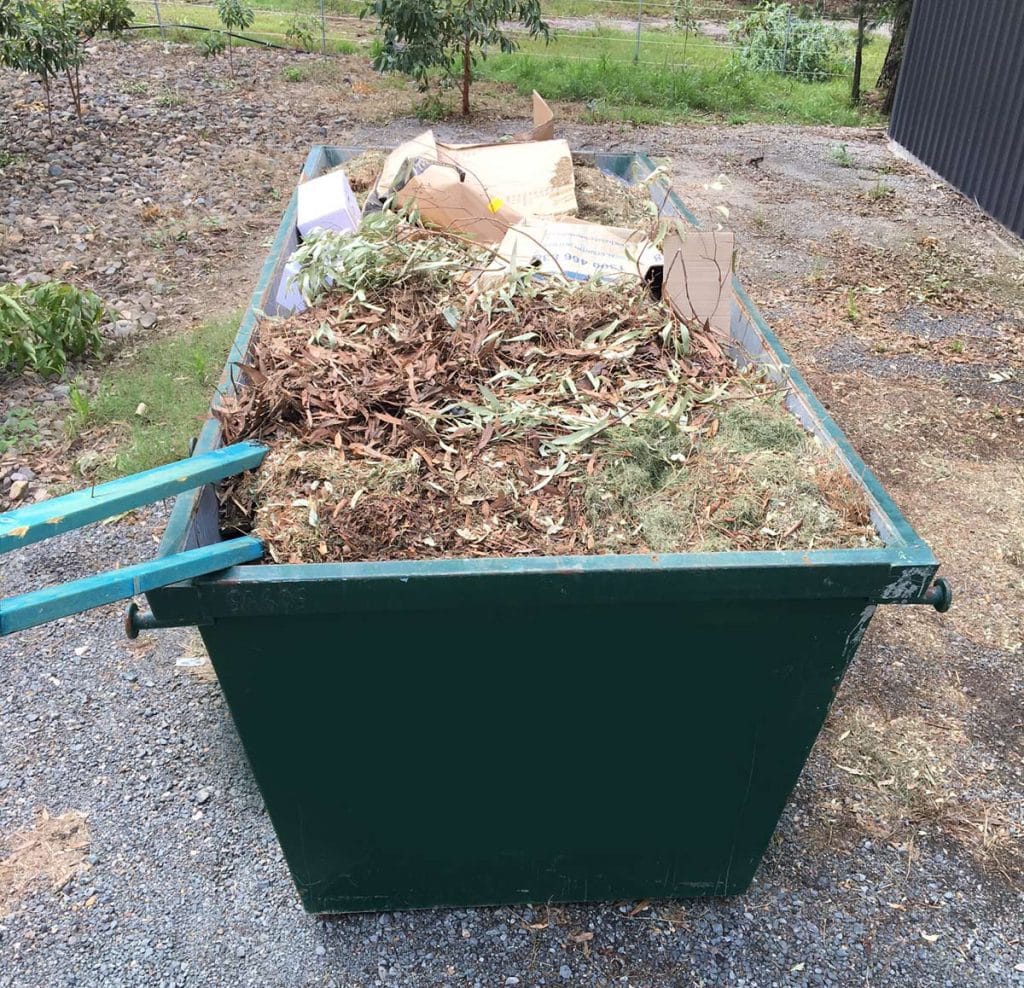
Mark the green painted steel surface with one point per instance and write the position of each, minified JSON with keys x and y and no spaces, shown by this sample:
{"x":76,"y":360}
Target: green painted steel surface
{"x":502,"y":753}
{"x":460,"y":732}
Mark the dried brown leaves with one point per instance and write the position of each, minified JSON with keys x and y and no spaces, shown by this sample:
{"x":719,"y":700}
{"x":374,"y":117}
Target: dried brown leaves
{"x":428,"y":420}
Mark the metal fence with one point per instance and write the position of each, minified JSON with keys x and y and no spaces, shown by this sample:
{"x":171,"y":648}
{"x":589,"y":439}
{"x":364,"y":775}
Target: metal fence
{"x":643,"y":32}
{"x":958,"y":105}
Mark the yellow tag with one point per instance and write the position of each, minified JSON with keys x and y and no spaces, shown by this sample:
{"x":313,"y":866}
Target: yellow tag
{"x":494,"y":205}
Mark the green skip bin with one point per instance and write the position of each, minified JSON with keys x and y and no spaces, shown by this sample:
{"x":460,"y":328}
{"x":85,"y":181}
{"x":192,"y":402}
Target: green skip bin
{"x":461,"y":732}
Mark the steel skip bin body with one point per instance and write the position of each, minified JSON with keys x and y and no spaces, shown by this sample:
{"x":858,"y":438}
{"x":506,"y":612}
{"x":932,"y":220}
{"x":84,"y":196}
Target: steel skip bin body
{"x":468,"y":732}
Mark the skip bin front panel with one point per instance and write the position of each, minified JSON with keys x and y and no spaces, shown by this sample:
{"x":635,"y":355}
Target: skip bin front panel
{"x":504,"y":754}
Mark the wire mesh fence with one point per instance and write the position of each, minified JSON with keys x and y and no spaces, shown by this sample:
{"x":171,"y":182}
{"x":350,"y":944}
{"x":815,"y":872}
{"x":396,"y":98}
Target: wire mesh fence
{"x":652,"y":33}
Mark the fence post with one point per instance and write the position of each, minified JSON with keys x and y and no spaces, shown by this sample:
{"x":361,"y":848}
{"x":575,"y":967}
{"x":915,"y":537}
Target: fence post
{"x":159,"y":19}
{"x":323,"y":30}
{"x":639,"y":17}
{"x":785,"y":47}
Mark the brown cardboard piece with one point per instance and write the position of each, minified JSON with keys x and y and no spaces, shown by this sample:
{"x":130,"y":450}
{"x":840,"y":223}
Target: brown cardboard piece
{"x":543,"y":122}
{"x":456,"y":201}
{"x":697,"y":277}
{"x":531,"y":174}
{"x":480,"y":191}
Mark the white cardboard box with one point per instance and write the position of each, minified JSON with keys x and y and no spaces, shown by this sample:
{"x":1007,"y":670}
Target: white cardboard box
{"x":327,"y":202}
{"x":289,"y":299}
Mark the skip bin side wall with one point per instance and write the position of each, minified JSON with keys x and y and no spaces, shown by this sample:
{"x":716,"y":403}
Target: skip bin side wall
{"x":528,"y":753}
{"x":959,"y":108}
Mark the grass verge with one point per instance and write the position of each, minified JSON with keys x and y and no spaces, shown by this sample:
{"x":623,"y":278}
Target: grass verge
{"x":154,"y":407}
{"x":672,"y":83}
{"x":269,"y":25}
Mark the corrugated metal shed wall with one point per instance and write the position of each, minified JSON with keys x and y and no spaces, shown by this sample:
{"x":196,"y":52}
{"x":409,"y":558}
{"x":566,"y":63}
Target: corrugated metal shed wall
{"x":960,"y":101}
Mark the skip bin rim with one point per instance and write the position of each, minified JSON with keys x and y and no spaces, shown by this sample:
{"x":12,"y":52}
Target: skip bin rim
{"x":898,"y":572}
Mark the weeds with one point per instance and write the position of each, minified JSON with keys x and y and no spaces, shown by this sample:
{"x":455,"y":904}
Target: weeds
{"x":293,"y":73}
{"x":170,"y":98}
{"x":880,"y":191}
{"x":840,"y":156}
{"x":852,"y":310}
{"x":18,"y":431}
{"x":44,"y":326}
{"x":81,"y":408}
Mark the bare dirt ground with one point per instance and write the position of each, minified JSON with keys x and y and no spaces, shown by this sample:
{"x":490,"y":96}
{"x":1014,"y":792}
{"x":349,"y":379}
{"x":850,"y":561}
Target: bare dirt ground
{"x":899,"y":858}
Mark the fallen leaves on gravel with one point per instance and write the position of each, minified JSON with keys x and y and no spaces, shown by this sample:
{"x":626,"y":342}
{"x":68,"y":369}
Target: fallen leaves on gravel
{"x":49,"y":853}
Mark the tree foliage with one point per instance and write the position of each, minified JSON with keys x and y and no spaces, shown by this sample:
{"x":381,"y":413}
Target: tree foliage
{"x":773,"y":38}
{"x":43,"y":326}
{"x":47,"y":39}
{"x":421,"y":37}
{"x":235,"y":16}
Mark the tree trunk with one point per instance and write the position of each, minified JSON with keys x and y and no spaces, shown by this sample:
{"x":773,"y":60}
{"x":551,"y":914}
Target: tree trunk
{"x":467,"y":76}
{"x":890,"y":74}
{"x":858,"y":58}
{"x":49,"y":103}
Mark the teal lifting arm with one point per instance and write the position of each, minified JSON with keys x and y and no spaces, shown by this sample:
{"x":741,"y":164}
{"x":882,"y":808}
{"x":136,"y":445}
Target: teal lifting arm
{"x":35,"y":522}
{"x":61,"y":514}
{"x":50,"y":603}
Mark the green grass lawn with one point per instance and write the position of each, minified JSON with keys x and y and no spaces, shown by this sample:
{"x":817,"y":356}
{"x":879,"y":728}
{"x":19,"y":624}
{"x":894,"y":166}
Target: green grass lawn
{"x":269,"y":25}
{"x":174,"y":379}
{"x":676,"y":78}
{"x":675,"y":81}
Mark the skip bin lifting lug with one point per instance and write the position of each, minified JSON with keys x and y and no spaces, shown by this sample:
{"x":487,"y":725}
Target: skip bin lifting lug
{"x":939,"y":595}
{"x":136,"y":620}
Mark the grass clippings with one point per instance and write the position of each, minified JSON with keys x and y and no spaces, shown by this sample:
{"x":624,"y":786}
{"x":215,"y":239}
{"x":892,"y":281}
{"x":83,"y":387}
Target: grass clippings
{"x":603,"y":199}
{"x":363,"y":170}
{"x":49,"y":853}
{"x":906,"y":780}
{"x":413,"y":417}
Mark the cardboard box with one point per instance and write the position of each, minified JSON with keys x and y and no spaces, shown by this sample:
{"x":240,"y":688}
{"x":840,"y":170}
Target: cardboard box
{"x":574,"y":250}
{"x":697,"y":278}
{"x":326,"y":203}
{"x":288,"y":297}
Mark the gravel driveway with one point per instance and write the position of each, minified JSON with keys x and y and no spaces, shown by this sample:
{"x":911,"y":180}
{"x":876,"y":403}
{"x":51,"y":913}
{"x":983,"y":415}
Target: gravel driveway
{"x":181,"y":880}
{"x":184,"y":883}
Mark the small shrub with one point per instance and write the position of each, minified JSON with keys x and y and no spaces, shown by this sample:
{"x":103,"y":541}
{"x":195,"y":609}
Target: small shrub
{"x":211,"y":44}
{"x":235,"y":16}
{"x":773,"y":39}
{"x":433,"y":108}
{"x":18,"y":430}
{"x":94,"y":16}
{"x":686,"y":18}
{"x":304,"y":33}
{"x":293,"y":74}
{"x":841,"y":156}
{"x":43,"y":326}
